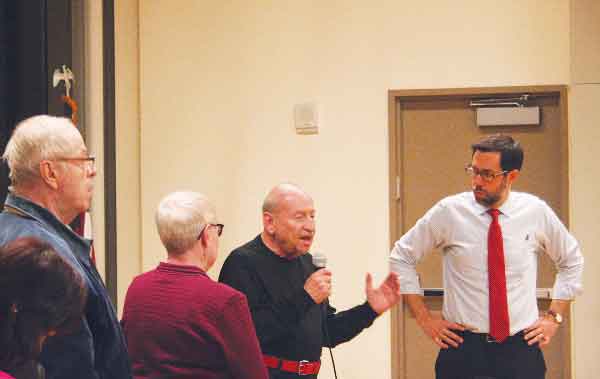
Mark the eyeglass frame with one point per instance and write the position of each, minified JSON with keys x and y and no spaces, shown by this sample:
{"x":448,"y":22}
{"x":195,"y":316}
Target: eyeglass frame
{"x":90,"y":160}
{"x":220,"y":228}
{"x":489,"y":175}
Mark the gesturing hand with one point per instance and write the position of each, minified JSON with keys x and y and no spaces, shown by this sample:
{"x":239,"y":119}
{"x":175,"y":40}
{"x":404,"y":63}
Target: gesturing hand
{"x":318,"y":285}
{"x":386,"y":295}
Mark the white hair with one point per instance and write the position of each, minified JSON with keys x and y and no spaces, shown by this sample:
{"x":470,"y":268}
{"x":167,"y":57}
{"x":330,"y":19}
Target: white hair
{"x":36,"y":139}
{"x":180,"y":217}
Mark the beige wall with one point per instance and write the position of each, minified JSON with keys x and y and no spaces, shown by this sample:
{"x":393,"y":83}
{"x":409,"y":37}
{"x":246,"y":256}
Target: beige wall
{"x":127,"y":110}
{"x":585,"y":204}
{"x":94,"y":116}
{"x":585,"y":41}
{"x":584,"y":120}
{"x":217,"y":86}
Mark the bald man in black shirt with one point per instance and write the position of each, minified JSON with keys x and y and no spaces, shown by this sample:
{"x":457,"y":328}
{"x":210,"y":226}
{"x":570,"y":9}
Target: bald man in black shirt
{"x":288,"y":295}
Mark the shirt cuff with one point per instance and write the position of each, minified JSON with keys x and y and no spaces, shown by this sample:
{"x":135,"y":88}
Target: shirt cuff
{"x":566,"y":292}
{"x":366,"y":312}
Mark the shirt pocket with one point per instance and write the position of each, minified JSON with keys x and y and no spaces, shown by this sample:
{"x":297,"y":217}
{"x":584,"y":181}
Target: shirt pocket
{"x":520,"y":257}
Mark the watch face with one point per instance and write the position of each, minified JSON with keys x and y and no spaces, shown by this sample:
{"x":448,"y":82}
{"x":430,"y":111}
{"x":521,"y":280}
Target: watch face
{"x":558,"y":318}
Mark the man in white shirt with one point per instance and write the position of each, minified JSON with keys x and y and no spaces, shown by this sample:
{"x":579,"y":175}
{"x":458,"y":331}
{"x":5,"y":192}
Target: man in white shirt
{"x":490,"y":239}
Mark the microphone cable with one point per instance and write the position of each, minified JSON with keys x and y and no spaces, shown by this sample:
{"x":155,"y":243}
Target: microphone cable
{"x":327,"y":339}
{"x":319,"y":260}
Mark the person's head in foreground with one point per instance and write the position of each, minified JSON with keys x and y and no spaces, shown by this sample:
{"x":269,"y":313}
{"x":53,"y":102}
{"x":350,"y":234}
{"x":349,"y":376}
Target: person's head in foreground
{"x":40,"y":295}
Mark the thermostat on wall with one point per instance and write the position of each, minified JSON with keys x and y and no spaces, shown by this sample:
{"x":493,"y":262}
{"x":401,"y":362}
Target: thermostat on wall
{"x":306,"y":118}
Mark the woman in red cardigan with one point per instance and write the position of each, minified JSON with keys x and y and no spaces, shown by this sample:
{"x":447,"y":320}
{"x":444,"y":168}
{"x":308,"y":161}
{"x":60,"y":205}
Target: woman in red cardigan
{"x":179,"y":323}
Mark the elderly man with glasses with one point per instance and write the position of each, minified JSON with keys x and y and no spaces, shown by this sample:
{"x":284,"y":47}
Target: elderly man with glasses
{"x":179,"y":323}
{"x":490,"y":239}
{"x":52,"y":178}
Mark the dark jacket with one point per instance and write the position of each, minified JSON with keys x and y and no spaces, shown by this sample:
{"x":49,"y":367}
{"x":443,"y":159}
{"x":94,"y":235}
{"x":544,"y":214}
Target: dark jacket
{"x":97,"y":350}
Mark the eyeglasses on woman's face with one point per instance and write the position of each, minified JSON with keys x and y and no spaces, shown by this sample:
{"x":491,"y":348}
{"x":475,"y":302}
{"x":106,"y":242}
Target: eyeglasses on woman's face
{"x":218,"y":226}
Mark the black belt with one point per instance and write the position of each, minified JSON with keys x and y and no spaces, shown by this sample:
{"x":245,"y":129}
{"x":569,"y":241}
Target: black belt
{"x":486,"y":337}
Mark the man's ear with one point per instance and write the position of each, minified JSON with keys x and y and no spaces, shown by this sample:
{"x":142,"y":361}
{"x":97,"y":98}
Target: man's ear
{"x":49,"y":174}
{"x":204,"y":239}
{"x":513,"y":175}
{"x":269,"y":223}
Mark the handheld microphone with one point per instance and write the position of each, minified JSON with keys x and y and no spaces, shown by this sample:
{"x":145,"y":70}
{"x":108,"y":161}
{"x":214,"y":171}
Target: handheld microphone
{"x":319,"y":259}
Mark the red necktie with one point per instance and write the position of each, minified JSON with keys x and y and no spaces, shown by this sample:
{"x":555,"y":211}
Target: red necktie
{"x":499,"y":324}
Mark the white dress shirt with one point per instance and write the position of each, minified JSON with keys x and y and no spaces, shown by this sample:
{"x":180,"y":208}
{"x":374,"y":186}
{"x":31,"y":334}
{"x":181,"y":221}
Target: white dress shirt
{"x":457,"y":226}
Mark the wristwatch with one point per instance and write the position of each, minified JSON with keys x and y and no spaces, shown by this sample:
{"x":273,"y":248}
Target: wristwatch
{"x":558,"y":318}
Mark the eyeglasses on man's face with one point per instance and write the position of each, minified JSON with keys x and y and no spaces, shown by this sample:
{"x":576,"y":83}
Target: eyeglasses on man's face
{"x":218,"y":226}
{"x":89,"y":161}
{"x":485,"y":175}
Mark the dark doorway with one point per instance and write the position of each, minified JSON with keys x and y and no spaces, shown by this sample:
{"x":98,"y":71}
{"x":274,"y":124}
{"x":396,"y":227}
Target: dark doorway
{"x":35,"y":39}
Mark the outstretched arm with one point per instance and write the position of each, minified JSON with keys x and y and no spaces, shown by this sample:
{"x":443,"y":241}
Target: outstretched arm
{"x":343,"y":326}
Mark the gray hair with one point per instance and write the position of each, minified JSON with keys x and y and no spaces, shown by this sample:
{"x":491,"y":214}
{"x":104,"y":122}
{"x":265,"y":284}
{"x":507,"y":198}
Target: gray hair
{"x":180,"y":217}
{"x":36,"y":139}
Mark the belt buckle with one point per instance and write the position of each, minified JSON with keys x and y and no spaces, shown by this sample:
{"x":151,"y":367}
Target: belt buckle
{"x":490,"y":339}
{"x":301,"y":366}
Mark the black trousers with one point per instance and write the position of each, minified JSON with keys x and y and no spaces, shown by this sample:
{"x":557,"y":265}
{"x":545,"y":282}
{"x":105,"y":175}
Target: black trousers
{"x":476,"y":358}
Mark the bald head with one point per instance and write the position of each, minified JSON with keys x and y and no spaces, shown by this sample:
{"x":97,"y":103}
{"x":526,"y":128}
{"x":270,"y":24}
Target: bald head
{"x":288,"y":220}
{"x":281,"y":193}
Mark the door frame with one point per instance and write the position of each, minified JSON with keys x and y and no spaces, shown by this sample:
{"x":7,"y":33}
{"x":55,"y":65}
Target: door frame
{"x":395,"y":100}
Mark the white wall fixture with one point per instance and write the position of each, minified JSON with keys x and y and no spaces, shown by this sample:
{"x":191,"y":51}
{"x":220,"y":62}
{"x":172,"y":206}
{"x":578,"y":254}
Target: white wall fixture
{"x":506,"y":111}
{"x":306,"y":118}
{"x":505,"y":116}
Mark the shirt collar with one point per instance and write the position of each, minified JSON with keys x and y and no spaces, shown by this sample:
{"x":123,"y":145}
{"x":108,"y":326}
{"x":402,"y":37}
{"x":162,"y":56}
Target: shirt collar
{"x":273,"y":255}
{"x":507,"y":208}
{"x":42,"y":215}
{"x":187,"y":269}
